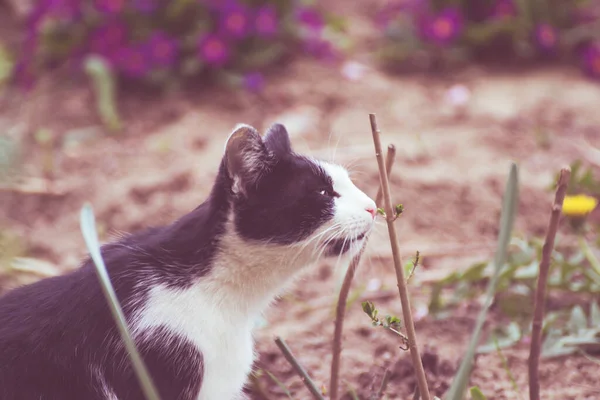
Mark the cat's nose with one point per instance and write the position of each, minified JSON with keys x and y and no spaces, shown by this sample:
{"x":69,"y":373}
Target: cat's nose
{"x":372,"y":210}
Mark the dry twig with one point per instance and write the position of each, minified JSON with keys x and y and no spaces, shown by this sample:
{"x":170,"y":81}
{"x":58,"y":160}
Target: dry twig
{"x":402,"y":289}
{"x":287,"y":353}
{"x":540,"y":298}
{"x":343,"y":297}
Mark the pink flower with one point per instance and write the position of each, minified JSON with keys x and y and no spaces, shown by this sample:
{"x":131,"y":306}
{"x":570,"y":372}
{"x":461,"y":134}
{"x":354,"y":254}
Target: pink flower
{"x":213,"y":50}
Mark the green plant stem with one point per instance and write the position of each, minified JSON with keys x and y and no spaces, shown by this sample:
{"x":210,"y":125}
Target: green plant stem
{"x":287,"y":353}
{"x":509,"y":208}
{"x":589,"y":254}
{"x":402,"y":288}
{"x":340,"y":311}
{"x":540,"y":298}
{"x":88,"y":228}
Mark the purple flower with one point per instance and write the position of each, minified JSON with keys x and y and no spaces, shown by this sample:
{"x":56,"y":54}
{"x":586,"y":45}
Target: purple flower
{"x":504,"y":9}
{"x":444,"y":27}
{"x":145,"y":6}
{"x":546,"y":37}
{"x":591,"y":60}
{"x":320,"y":48}
{"x":265,"y":22}
{"x":107,"y":38}
{"x":310,"y":17}
{"x":109,"y":6}
{"x":131,"y":61}
{"x":235,"y":20}
{"x":213,"y":50}
{"x":254,"y":81}
{"x":162,"y":49}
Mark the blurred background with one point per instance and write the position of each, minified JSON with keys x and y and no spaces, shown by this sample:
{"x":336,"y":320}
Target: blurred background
{"x":127,"y":103}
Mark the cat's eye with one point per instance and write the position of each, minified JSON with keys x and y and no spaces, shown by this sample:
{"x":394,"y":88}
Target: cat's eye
{"x":328,"y":193}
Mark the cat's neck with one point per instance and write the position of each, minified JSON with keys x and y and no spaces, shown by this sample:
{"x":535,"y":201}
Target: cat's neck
{"x":249,"y":276}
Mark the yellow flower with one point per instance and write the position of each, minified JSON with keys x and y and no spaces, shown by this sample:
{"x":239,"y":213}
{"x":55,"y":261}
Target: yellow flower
{"x":579,"y":205}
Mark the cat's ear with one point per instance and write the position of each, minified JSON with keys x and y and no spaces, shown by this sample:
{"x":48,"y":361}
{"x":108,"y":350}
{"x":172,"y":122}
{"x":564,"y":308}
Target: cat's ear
{"x":277,"y":140}
{"x":246,"y":156}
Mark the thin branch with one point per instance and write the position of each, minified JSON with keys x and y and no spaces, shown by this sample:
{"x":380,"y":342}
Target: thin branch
{"x":339,"y":324}
{"x":287,"y":353}
{"x":340,"y":311}
{"x":258,"y":387}
{"x":390,"y":157}
{"x":383,"y":386}
{"x":402,"y":289}
{"x":540,"y":298}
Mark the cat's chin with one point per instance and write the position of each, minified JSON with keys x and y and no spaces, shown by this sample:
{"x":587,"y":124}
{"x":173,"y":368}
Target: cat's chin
{"x":346,"y":247}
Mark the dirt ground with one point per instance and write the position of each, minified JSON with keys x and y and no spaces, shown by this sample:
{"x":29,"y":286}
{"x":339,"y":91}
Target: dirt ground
{"x":450,"y":173}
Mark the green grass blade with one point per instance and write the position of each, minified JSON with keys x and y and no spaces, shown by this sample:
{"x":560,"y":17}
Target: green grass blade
{"x":477,"y":394}
{"x":105,"y":90}
{"x":88,"y":228}
{"x":509,"y":210}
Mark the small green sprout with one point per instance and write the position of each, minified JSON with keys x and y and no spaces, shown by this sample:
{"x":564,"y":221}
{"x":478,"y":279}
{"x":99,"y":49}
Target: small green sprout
{"x":398,"y":210}
{"x":389,"y":322}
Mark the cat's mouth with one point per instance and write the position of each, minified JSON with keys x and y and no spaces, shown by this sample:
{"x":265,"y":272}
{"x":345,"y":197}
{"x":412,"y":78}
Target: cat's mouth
{"x":337,"y":247}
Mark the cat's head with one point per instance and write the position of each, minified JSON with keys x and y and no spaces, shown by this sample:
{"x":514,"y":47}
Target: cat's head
{"x":283,"y":198}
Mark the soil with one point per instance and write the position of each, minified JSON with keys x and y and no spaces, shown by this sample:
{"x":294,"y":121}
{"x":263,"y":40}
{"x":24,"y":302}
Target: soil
{"x":450,"y":173}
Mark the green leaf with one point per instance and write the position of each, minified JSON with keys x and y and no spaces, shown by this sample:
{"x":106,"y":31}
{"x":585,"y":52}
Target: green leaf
{"x":577,"y":320}
{"x":88,"y":229}
{"x":477,"y":394}
{"x":509,"y":210}
{"x":6,"y":65}
{"x":508,"y":337}
{"x":104,"y":88}
{"x":594,"y":315}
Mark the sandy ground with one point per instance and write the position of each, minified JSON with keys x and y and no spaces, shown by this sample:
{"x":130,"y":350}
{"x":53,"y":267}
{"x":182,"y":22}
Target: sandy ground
{"x":450,"y":174}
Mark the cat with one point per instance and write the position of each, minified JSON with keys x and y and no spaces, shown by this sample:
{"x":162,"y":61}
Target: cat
{"x":191,"y":291}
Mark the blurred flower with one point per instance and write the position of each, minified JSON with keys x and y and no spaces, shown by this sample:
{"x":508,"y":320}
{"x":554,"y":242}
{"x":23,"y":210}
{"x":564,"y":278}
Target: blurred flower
{"x":591,"y":60}
{"x":353,"y":70}
{"x":213,"y":50}
{"x":504,"y":9}
{"x":109,"y":6}
{"x":458,"y":95}
{"x":105,"y":39}
{"x":254,"y":81}
{"x":266,"y":23}
{"x":310,"y":17}
{"x":444,"y":27}
{"x":131,"y":61}
{"x":145,"y":6}
{"x":546,"y":37}
{"x":579,"y":205}
{"x":162,"y":49}
{"x":320,"y":48}
{"x":235,"y":20}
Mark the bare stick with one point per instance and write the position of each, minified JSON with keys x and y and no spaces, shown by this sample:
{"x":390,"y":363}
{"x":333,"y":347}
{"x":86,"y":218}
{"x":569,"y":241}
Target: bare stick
{"x":402,"y":289}
{"x":287,"y":353}
{"x":540,"y":298}
{"x":340,"y":311}
{"x":390,"y":157}
{"x":383,"y":386}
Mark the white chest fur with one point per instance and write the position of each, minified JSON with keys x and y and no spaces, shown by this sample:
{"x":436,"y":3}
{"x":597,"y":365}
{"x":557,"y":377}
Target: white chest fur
{"x":221,"y":333}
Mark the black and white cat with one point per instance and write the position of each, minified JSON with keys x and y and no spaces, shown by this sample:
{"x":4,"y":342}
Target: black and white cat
{"x":191,"y":291}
